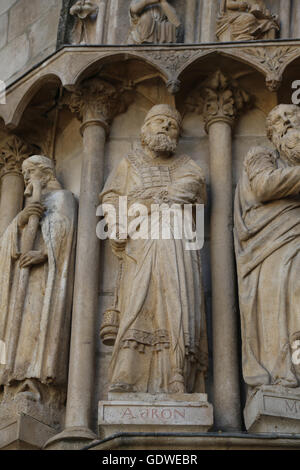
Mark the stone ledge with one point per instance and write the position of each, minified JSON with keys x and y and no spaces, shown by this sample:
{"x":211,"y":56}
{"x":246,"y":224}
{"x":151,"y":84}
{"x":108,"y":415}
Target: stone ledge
{"x":24,"y":432}
{"x":273,"y":410}
{"x":202,"y":442}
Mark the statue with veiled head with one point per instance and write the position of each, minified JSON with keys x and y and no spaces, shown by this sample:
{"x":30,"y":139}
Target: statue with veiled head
{"x":152,"y":22}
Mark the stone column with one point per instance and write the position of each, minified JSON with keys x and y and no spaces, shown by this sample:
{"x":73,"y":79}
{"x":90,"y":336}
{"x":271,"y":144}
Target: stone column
{"x":208,"y":21}
{"x":295,"y":24}
{"x":190,"y":15}
{"x":100,"y":22}
{"x":222,"y":100}
{"x":285,"y":18}
{"x":96,"y":103}
{"x":113,"y":22}
{"x":12,"y":155}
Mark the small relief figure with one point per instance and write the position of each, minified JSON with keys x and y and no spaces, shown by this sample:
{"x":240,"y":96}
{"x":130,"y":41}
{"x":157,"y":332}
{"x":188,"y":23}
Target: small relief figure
{"x":152,"y":22}
{"x":245,"y":21}
{"x":84,"y":11}
{"x":267,"y":244}
{"x":36,"y":279}
{"x":160,"y":344}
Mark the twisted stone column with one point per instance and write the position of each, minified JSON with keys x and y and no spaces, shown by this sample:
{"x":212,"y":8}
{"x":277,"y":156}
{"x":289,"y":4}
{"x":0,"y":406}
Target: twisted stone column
{"x":96,"y":103}
{"x":222,"y":101}
{"x":12,"y":155}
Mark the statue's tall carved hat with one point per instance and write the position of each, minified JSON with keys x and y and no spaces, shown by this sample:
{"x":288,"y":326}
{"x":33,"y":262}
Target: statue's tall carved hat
{"x":164,"y":110}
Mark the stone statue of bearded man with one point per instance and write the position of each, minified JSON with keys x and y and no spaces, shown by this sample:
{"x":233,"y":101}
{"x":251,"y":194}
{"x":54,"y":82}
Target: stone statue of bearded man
{"x":161,"y":341}
{"x":267,"y":243}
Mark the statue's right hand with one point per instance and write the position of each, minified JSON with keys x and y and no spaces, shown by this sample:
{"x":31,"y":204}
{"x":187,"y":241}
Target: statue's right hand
{"x":35,"y":208}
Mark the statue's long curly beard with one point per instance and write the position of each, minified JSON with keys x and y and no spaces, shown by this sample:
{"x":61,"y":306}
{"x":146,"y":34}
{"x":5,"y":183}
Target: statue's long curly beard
{"x":159,"y":142}
{"x":289,"y":146}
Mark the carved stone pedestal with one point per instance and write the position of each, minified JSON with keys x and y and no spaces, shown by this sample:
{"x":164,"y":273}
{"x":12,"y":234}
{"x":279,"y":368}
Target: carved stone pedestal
{"x":142,"y":412}
{"x":23,"y":432}
{"x":26,"y":421}
{"x":273,"y":410}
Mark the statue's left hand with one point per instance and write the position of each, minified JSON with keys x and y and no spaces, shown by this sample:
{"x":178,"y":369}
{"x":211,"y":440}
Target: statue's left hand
{"x":31,"y":258}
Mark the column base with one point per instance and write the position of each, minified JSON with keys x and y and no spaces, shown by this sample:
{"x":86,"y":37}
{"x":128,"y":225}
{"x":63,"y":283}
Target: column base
{"x":72,"y":438}
{"x":273,"y":409}
{"x":141,"y":412}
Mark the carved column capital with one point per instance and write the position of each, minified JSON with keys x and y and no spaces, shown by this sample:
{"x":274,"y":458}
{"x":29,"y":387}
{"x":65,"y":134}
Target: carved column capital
{"x":219,"y":98}
{"x":96,"y":102}
{"x":12,"y":155}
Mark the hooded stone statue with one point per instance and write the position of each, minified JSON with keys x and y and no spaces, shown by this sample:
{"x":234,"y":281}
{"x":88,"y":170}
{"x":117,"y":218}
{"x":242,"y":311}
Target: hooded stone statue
{"x":35,"y":320}
{"x":152,"y":22}
{"x":267,"y":245}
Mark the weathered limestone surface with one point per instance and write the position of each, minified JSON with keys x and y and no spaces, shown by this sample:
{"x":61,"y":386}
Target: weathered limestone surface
{"x":164,"y":352}
{"x":36,"y":260}
{"x":244,"y":21}
{"x":273,"y":410}
{"x":152,"y":22}
{"x":154,"y":413}
{"x":85,"y":13}
{"x":24,"y":433}
{"x":28,"y":32}
{"x":267,"y":240}
{"x":210,"y":83}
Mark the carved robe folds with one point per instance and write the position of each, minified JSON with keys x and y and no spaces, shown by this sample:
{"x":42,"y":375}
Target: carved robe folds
{"x":267,"y":242}
{"x":152,"y":26}
{"x":43,"y":339}
{"x":161,"y":344}
{"x":238,"y":22}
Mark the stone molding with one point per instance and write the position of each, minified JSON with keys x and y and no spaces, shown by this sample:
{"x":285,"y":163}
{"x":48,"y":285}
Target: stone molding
{"x":69,"y":65}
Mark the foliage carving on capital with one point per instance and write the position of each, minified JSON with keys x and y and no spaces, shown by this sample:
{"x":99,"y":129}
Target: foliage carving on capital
{"x":96,"y":99}
{"x":13,"y":154}
{"x":219,"y":97}
{"x":274,"y":60}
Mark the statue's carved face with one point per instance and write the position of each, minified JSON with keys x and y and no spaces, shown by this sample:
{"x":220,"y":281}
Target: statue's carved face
{"x":285,"y":117}
{"x":32,"y":172}
{"x":164,"y":125}
{"x":161,"y":134}
{"x":285,"y":125}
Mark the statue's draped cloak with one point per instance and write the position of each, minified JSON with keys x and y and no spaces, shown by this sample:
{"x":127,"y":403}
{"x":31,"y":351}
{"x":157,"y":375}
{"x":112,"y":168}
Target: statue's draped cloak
{"x":151,"y":26}
{"x":244,"y":25}
{"x":43,"y":343}
{"x":267,"y":244}
{"x":161,"y":296}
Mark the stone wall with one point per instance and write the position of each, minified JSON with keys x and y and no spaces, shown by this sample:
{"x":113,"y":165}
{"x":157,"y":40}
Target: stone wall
{"x":28,"y":32}
{"x":29,"y":28}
